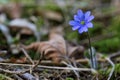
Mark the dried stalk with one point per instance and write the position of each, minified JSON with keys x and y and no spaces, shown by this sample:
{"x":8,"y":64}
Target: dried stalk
{"x":26,"y":54}
{"x":49,"y":67}
{"x":14,"y":72}
{"x":113,"y":67}
{"x":112,"y":64}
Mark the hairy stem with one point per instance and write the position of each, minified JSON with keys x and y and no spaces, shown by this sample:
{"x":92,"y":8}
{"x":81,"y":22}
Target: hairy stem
{"x":91,"y":55}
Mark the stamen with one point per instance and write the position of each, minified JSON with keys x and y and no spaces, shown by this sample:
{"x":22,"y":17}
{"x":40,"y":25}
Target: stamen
{"x":82,"y":22}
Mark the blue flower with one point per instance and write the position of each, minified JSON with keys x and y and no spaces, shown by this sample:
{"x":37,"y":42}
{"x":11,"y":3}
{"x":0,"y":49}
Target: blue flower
{"x":82,"y":21}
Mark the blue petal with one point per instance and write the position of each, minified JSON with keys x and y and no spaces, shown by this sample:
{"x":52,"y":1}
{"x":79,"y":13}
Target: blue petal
{"x":90,"y":18}
{"x":80,"y":30}
{"x":75,"y":27}
{"x":85,"y":29}
{"x":89,"y":25}
{"x":73,"y":23}
{"x":87,"y":14}
{"x":80,"y":13}
{"x":76,"y":18}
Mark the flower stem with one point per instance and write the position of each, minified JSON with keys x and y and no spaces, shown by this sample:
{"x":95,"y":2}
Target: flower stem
{"x":91,"y":55}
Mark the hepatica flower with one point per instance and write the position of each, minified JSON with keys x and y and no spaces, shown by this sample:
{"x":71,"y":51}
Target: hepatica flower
{"x":82,"y":21}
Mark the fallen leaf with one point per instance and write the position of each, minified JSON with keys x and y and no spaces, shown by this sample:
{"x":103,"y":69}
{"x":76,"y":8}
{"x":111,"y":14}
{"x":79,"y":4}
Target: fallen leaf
{"x":76,"y":52}
{"x":56,"y":48}
{"x":24,"y":27}
{"x":20,"y":60}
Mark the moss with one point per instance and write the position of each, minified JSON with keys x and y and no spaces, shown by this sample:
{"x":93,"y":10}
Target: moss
{"x":2,"y":77}
{"x":29,"y":40}
{"x":117,"y":68}
{"x":115,"y":25}
{"x":104,"y":73}
{"x":108,"y":45}
{"x":5,"y":77}
{"x":69,"y":78}
{"x":72,"y":35}
{"x":112,"y":44}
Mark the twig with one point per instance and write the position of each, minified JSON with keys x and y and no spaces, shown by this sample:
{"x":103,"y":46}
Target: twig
{"x":17,"y":77}
{"x":72,"y":67}
{"x":40,"y":59}
{"x":29,"y":58}
{"x":26,"y":54}
{"x":114,"y":55}
{"x":112,"y":64}
{"x":14,"y":72}
{"x":34,"y":66}
{"x":23,"y":71}
{"x":68,"y":62}
{"x":75,"y":65}
{"x":50,"y":67}
{"x":37,"y":76}
{"x":113,"y":67}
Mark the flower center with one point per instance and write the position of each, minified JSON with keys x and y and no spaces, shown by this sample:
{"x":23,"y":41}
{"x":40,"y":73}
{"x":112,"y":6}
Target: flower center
{"x":82,"y":22}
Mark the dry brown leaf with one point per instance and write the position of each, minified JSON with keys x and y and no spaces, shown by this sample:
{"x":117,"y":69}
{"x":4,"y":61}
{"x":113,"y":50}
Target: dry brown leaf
{"x":23,"y":26}
{"x":20,"y":60}
{"x":55,"y":48}
{"x":76,"y":52}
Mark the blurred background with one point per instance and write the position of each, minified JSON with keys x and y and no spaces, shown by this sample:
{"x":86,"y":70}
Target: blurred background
{"x":27,"y":21}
